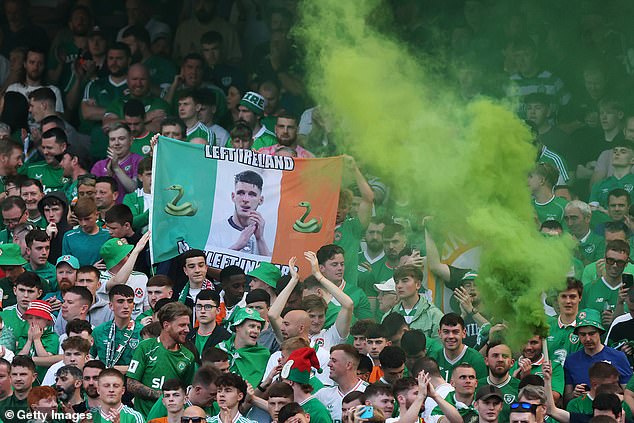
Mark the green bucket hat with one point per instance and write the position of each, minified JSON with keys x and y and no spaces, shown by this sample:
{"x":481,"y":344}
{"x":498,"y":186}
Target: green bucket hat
{"x":267,"y":273}
{"x":10,"y":255}
{"x":254,"y":102}
{"x":589,"y":317}
{"x":113,"y":251}
{"x":241,"y":314}
{"x":470,"y":276}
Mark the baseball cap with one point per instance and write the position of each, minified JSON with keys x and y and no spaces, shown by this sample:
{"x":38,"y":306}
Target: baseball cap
{"x":254,"y":102}
{"x":10,"y":255}
{"x":39,"y":308}
{"x":387,"y":286}
{"x":488,"y":391}
{"x":113,"y":251}
{"x":470,"y":276}
{"x":72,"y":261}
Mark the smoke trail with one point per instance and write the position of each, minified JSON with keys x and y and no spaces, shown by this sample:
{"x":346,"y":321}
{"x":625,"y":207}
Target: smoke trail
{"x":465,"y":164}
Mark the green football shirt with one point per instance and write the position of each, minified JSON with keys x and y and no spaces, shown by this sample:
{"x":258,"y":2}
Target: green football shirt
{"x":201,"y":131}
{"x":141,"y":145}
{"x":509,"y":389}
{"x":152,"y":364}
{"x":562,"y":340}
{"x":601,"y":189}
{"x":348,"y":236}
{"x":598,"y":295}
{"x":52,"y":178}
{"x":120,"y":351}
{"x":553,"y":209}
{"x":468,"y":355}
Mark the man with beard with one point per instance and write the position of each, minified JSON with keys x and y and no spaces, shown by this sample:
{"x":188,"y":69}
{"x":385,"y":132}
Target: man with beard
{"x":11,"y":157}
{"x":34,"y":68}
{"x":250,"y":112}
{"x":286,"y":133}
{"x":116,"y":340}
{"x":99,"y":93}
{"x":531,"y":361}
{"x":189,"y":32}
{"x":66,"y":275}
{"x":499,"y":360}
{"x":92,"y":370}
{"x":158,"y":359}
{"x":68,"y":384}
{"x":49,"y":171}
{"x":111,"y":387}
{"x":372,"y":258}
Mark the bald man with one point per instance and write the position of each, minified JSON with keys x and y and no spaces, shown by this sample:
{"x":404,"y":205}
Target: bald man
{"x":195,"y":411}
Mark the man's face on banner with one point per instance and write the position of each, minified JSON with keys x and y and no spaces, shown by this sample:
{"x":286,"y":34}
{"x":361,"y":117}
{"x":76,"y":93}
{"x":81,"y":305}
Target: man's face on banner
{"x":247,"y":197}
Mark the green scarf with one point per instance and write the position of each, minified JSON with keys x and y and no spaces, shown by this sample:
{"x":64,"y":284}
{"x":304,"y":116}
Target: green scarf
{"x":249,"y":362}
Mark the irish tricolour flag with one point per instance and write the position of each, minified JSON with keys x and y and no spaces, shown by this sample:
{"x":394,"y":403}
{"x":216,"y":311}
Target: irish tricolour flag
{"x":239,"y":206}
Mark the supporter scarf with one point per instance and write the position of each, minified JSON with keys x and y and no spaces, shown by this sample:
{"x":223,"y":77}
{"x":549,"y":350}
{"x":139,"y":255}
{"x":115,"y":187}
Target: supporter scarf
{"x":249,"y":362}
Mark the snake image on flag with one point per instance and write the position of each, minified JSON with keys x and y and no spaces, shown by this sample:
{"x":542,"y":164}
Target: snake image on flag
{"x":239,"y":206}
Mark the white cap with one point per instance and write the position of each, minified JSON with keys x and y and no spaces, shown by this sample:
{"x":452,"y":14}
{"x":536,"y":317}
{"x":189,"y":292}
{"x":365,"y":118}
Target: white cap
{"x":387,"y":286}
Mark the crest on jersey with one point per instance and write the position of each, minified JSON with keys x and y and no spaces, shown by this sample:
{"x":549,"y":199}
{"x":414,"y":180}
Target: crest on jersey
{"x":573,"y":338}
{"x":181,"y":366}
{"x":509,"y":398}
{"x":134,"y":343}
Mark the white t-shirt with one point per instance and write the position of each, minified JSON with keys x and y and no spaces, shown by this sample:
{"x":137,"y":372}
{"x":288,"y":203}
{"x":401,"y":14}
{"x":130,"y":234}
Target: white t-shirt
{"x":49,"y":378}
{"x":26,"y":90}
{"x":331,"y":397}
{"x":327,"y":338}
{"x":138,"y":282}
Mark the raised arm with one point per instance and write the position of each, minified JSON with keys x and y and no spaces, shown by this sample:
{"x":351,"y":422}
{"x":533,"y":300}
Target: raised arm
{"x":122,"y":276}
{"x":367,"y":195}
{"x":275,"y":312}
{"x":345,"y":315}
{"x":555,"y":412}
{"x":439,"y":269}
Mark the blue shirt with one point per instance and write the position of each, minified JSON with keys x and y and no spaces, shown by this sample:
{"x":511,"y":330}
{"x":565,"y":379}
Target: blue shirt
{"x":577,"y":364}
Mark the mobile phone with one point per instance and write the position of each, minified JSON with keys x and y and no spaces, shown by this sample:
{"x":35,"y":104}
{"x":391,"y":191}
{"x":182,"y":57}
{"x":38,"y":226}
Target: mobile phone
{"x":367,"y":413}
{"x":628,"y":280}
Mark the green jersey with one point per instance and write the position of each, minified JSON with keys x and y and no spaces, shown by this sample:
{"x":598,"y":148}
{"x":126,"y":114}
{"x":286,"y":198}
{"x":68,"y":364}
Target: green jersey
{"x":558,"y":373}
{"x":468,"y":355}
{"x":467,"y":411}
{"x":102,"y":91}
{"x":583,"y":405}
{"x":600,"y":190}
{"x":199,"y":130}
{"x":553,"y":209}
{"x":158,"y":410}
{"x":83,"y":246}
{"x":161,"y":70}
{"x":13,"y":404}
{"x":52,"y":178}
{"x":599,"y":295}
{"x":47,"y":274}
{"x":379,"y":272}
{"x":115,"y":346}
{"x":141,"y":145}
{"x":591,"y":248}
{"x":70,"y":190}
{"x":125,"y":414}
{"x":348,"y":236}
{"x":317,"y":410}
{"x":151,"y":104}
{"x":152,"y":364}
{"x":15,"y":327}
{"x":562,"y":340}
{"x":510,"y":390}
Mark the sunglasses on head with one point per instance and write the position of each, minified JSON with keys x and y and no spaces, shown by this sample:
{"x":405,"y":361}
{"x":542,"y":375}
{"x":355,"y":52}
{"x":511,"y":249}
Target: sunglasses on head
{"x":524,"y":407}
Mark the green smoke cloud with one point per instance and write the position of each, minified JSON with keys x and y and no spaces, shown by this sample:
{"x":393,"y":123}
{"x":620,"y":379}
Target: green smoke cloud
{"x":464,"y":163}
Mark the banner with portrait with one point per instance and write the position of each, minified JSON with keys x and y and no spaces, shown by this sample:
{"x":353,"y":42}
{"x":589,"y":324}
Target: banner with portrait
{"x":239,"y":206}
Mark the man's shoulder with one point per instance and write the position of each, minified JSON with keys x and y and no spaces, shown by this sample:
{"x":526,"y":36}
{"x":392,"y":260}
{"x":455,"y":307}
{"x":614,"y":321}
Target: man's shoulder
{"x":138,"y":417}
{"x":72,"y":232}
{"x":102,"y":328}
